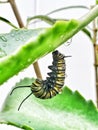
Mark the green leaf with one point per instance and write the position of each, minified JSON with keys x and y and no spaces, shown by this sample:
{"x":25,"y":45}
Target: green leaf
{"x":10,"y":42}
{"x":66,"y":111}
{"x":87,"y":32}
{"x":7,"y":22}
{"x":46,"y":41}
{"x":52,"y":21}
{"x":33,"y":48}
{"x":45,"y":18}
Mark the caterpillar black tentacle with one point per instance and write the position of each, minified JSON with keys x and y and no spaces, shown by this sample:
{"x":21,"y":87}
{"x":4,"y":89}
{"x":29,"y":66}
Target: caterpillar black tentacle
{"x":45,"y":89}
{"x":19,"y":87}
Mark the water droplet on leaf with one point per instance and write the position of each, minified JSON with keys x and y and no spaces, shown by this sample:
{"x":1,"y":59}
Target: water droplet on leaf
{"x":29,"y":60}
{"x":12,"y":34}
{"x":3,"y":38}
{"x":22,"y":38}
{"x":17,"y":39}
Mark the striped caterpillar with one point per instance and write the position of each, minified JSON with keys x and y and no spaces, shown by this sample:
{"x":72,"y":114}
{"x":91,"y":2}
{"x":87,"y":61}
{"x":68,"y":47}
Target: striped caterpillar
{"x":45,"y":89}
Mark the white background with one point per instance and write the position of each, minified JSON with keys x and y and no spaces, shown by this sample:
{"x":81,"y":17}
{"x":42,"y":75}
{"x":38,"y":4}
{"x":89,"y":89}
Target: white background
{"x":80,"y":68}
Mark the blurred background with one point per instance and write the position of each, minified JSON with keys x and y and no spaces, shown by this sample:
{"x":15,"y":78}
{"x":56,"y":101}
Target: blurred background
{"x":79,"y":68}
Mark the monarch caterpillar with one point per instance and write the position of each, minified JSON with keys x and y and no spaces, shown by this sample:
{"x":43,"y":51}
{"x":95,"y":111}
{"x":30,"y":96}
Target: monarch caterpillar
{"x":45,"y":89}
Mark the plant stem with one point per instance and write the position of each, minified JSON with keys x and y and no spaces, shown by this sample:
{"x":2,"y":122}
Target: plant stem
{"x":95,"y":57}
{"x":45,"y":18}
{"x":85,"y":20}
{"x":89,"y":17}
{"x":95,"y":31}
{"x":16,"y":13}
{"x":37,"y":70}
{"x":21,"y":25}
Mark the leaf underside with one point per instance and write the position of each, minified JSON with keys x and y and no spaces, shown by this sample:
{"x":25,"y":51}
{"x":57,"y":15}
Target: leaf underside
{"x":10,"y":42}
{"x":24,"y":47}
{"x":66,"y":111}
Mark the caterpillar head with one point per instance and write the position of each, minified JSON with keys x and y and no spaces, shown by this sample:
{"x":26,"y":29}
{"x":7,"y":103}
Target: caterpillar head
{"x":57,"y":55}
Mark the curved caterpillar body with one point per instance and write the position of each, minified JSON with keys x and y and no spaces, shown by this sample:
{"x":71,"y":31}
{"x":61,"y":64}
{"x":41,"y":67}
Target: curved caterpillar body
{"x":53,"y":84}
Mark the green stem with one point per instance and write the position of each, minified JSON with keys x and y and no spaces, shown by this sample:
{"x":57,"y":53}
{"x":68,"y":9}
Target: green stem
{"x":41,"y":17}
{"x":85,"y":20}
